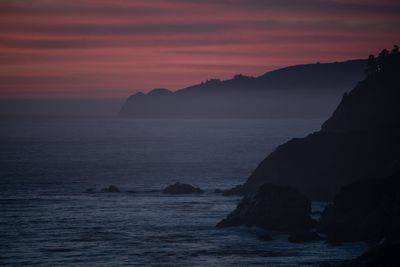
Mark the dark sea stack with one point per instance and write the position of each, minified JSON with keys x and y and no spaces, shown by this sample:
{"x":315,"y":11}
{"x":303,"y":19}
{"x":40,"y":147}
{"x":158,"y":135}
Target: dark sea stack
{"x":359,"y":141}
{"x":367,"y":210}
{"x":110,"y":189}
{"x":383,"y":255}
{"x":179,"y":188}
{"x":273,"y":207}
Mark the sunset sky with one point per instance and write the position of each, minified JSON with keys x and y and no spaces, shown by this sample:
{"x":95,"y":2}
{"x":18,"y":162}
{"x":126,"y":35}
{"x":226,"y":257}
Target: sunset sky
{"x":99,"y":48}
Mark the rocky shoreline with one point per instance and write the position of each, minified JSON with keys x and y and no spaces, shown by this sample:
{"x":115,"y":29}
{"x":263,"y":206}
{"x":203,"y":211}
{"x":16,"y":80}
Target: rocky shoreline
{"x":354,"y":159}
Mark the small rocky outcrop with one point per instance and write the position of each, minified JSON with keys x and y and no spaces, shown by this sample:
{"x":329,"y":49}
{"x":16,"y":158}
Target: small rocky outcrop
{"x":110,"y":189}
{"x":273,"y":207}
{"x":367,"y":210}
{"x":180,"y":188}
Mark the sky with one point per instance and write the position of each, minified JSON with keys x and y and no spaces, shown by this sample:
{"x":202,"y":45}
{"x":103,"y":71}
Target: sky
{"x":98,"y":49}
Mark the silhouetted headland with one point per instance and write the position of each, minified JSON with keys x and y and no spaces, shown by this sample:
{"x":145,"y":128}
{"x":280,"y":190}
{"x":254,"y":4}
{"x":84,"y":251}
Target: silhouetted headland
{"x":294,"y":91}
{"x":359,"y":140}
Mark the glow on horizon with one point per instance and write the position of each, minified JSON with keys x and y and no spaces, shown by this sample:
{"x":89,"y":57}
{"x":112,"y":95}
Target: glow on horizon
{"x":99,"y":48}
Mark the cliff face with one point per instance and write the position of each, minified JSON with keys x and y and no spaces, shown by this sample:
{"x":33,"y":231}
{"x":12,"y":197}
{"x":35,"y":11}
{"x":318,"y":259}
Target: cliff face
{"x":291,"y":91}
{"x":373,"y":103}
{"x":321,"y":163}
{"x":359,"y":141}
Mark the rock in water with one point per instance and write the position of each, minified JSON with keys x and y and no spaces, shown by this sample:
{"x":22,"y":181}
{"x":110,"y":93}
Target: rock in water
{"x":384,"y":255}
{"x":110,"y":189}
{"x":218,"y":191}
{"x":273,"y":207}
{"x":179,"y":188}
{"x":367,"y":210}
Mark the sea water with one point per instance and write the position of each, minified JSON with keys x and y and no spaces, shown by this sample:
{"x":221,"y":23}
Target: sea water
{"x":48,"y":219}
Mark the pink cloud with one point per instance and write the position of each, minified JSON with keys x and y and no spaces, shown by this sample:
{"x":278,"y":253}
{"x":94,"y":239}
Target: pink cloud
{"x":96,"y":48}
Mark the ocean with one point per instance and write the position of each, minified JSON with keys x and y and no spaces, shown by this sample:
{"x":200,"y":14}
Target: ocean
{"x":48,"y":218}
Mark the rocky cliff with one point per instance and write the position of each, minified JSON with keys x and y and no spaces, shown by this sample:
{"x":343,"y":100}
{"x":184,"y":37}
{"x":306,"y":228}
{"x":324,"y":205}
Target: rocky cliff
{"x":359,"y":140}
